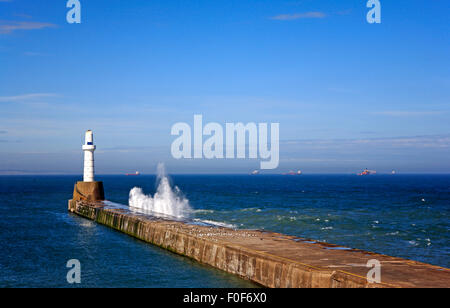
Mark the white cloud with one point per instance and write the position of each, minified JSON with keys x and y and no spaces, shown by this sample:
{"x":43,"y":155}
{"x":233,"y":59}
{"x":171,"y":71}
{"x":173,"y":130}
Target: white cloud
{"x":426,"y":141}
{"x":407,"y":113}
{"x":10,"y":26}
{"x":299,"y":16}
{"x":25,"y":97}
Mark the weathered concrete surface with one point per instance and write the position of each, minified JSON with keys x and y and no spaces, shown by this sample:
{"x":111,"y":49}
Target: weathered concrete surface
{"x":89,"y":191}
{"x":269,"y":259}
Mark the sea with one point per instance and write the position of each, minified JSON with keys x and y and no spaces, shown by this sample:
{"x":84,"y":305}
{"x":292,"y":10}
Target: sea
{"x":405,"y":216}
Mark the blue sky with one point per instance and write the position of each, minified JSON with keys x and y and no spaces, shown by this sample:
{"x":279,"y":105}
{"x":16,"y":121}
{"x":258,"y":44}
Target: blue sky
{"x":347,"y":94}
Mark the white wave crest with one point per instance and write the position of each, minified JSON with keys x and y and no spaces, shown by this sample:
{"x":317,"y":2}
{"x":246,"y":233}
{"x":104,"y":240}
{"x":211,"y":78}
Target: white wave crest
{"x":216,"y":223}
{"x":165,"y":201}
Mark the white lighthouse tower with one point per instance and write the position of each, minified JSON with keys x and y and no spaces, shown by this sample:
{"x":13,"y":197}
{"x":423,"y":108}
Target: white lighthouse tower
{"x":89,"y":189}
{"x":89,"y":148}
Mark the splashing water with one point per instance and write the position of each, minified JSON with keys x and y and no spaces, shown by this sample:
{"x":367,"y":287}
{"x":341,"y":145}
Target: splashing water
{"x":166,"y":200}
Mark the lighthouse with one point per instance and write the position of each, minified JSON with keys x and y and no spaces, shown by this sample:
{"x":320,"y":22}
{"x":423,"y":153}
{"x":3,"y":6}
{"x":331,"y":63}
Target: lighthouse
{"x":88,"y":189}
{"x":88,"y":148}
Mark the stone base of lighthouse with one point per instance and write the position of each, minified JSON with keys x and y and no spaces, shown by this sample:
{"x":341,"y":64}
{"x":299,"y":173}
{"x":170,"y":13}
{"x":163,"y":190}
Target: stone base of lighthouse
{"x":88,"y":191}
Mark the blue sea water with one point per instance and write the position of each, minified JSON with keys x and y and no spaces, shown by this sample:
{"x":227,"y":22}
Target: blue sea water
{"x":403,"y":215}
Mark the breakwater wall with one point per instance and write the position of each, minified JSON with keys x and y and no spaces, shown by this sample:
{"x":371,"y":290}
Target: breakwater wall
{"x":266,"y":258}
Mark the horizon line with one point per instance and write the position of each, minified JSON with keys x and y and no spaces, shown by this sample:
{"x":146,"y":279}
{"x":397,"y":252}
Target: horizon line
{"x":255,"y":175}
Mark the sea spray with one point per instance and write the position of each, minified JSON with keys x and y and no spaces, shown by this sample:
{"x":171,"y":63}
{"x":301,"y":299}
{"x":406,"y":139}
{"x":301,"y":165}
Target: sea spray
{"x":166,"y":200}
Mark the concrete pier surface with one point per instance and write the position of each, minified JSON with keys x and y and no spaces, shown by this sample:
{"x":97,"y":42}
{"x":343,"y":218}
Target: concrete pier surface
{"x":267,"y":258}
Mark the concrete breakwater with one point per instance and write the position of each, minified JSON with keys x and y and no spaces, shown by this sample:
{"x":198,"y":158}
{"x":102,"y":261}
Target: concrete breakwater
{"x":267,"y":258}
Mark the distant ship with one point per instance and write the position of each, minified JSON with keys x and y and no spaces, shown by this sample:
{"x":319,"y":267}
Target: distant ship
{"x":299,"y":172}
{"x":255,"y":172}
{"x":367,"y":172}
{"x":131,"y":174}
{"x":394,"y":172}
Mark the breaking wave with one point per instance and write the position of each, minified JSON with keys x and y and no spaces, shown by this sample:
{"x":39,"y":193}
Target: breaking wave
{"x":167,"y":200}
{"x":216,"y":223}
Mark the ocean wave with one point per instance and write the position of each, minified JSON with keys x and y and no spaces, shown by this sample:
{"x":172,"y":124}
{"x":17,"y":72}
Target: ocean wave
{"x":215,"y":223}
{"x":250,"y":209}
{"x":166,"y":200}
{"x":203,"y":211}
